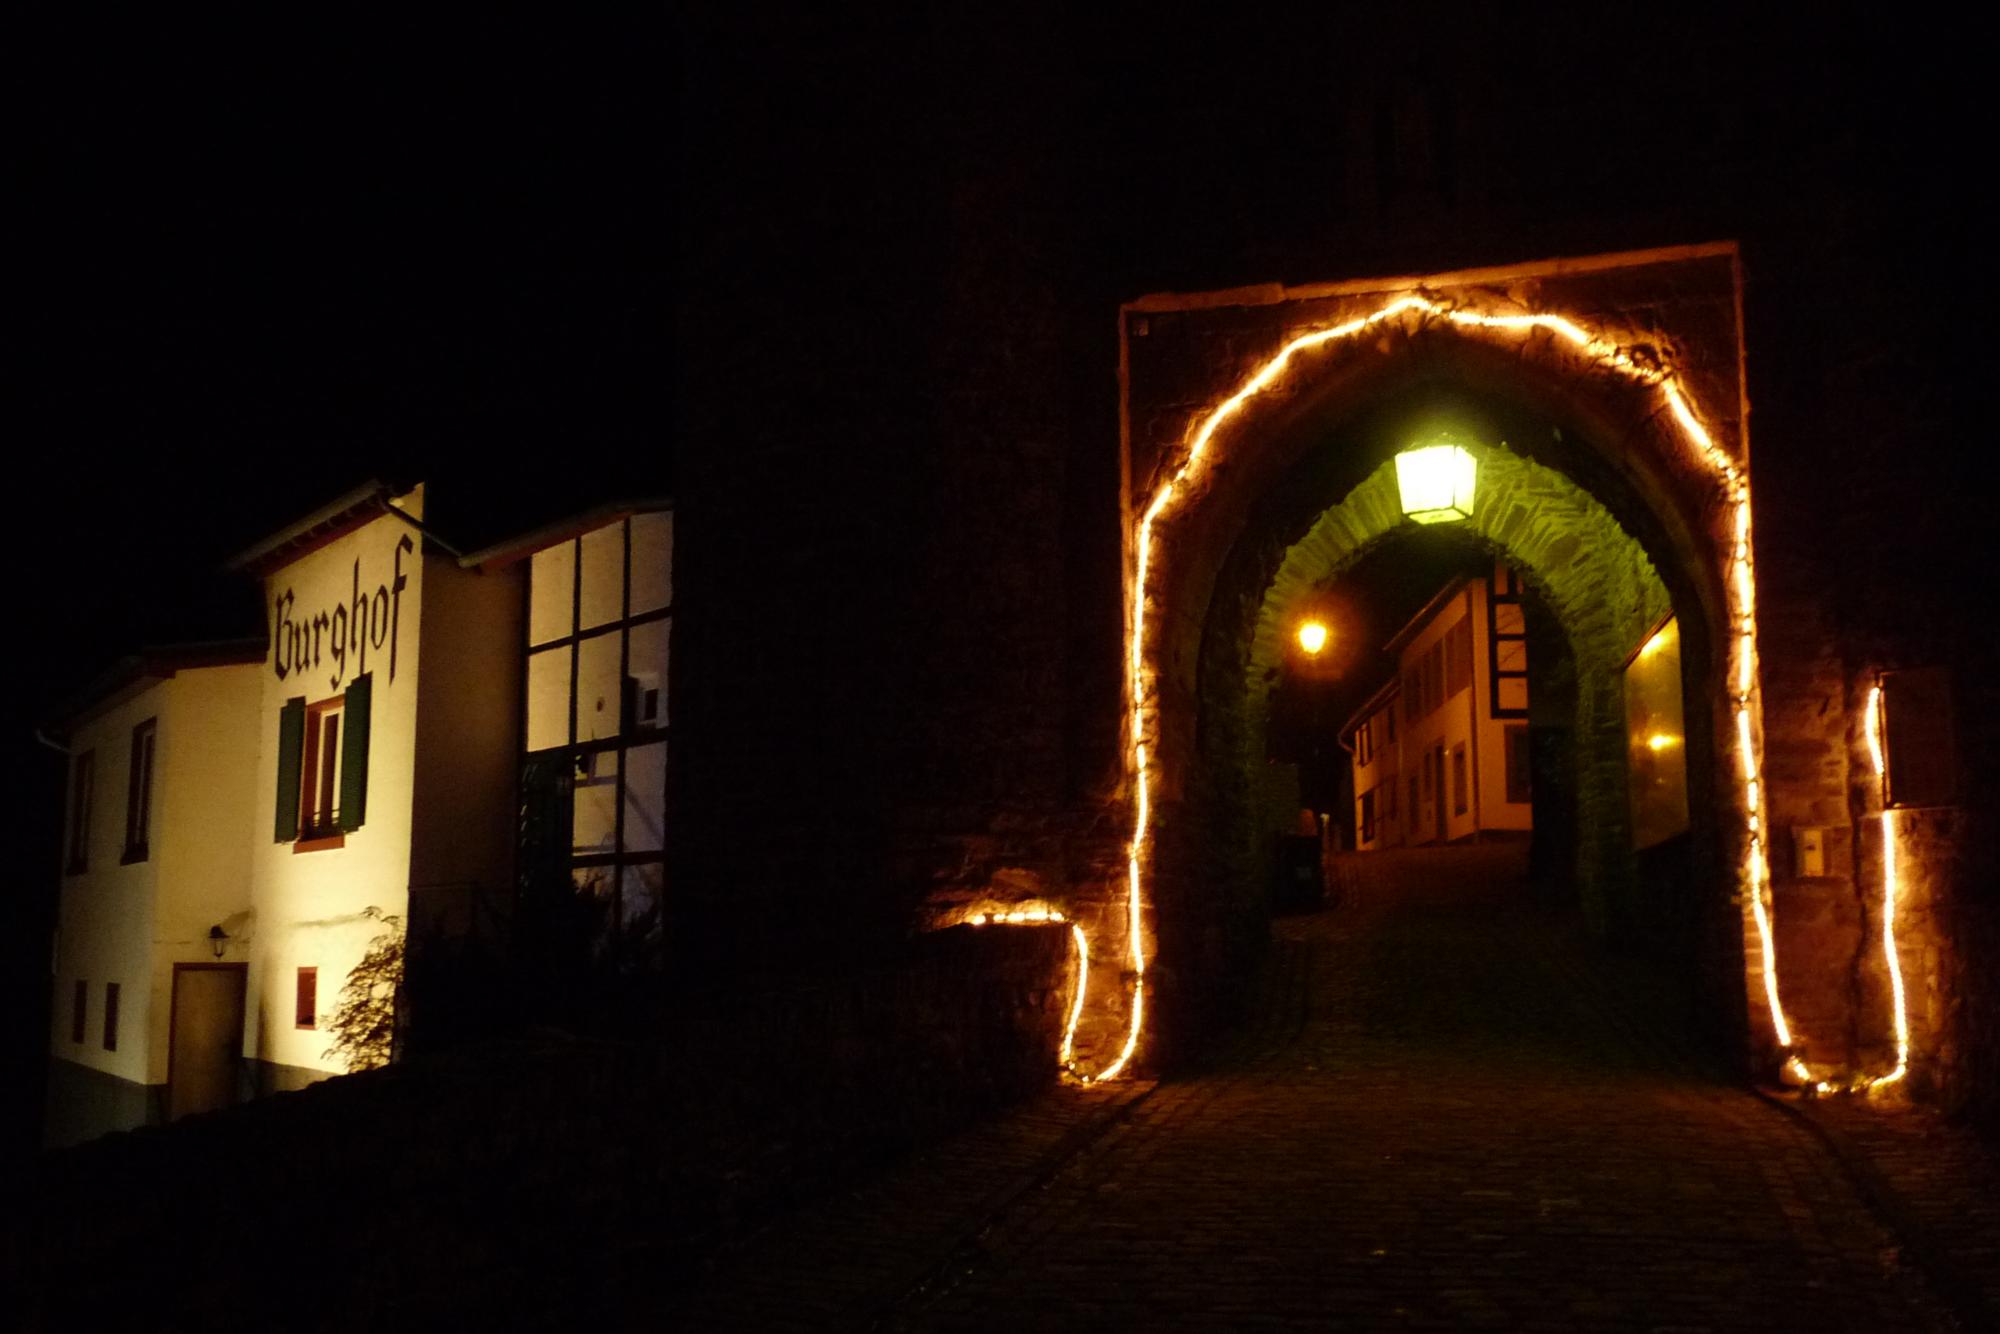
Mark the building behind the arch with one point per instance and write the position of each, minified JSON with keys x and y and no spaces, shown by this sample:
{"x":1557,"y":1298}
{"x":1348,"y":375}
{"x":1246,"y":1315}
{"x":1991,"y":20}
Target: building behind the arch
{"x":1439,"y":754}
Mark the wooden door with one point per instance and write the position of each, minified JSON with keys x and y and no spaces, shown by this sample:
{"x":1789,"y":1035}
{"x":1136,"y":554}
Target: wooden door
{"x":207,"y":1037}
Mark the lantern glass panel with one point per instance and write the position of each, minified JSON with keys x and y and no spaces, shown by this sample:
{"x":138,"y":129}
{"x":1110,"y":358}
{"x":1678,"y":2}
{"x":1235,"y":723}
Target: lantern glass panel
{"x":1437,"y":482}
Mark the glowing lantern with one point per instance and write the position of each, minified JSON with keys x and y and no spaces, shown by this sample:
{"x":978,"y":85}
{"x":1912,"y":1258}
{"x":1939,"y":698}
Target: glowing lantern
{"x":1312,"y":636}
{"x":1436,"y":482}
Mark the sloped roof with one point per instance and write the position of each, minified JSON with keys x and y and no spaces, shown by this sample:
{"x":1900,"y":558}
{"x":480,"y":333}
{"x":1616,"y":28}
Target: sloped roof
{"x":136,"y":671}
{"x":341,"y":515}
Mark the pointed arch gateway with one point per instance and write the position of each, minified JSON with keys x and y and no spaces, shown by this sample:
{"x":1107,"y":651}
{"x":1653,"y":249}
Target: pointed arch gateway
{"x":1640,"y":354}
{"x":1585,"y":570}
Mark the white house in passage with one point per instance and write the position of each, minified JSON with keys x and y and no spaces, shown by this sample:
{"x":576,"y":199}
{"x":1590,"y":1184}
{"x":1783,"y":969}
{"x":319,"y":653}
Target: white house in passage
{"x":287,"y":803}
{"x":1440,"y":754}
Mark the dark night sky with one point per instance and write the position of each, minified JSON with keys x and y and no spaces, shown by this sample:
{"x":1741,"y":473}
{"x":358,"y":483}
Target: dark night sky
{"x":271,"y":264}
{"x":267,"y":261}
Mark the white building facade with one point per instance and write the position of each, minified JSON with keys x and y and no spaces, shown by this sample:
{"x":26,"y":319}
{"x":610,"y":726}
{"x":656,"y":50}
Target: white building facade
{"x":245,"y":822}
{"x":156,"y":856}
{"x":1441,"y":753}
{"x":386,"y":758}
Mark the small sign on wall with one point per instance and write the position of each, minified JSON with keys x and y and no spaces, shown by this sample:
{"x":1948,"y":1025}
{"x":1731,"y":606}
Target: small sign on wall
{"x":1808,"y":851}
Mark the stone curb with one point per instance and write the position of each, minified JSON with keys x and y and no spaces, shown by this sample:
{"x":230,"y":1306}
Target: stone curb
{"x":1967,"y":1301}
{"x":1074,"y":1142}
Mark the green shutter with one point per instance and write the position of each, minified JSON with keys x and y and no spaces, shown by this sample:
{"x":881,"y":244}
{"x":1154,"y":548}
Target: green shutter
{"x":354,"y":753}
{"x":291,"y":753}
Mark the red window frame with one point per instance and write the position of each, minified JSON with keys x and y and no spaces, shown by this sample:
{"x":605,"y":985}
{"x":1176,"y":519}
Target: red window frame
{"x":139,"y":792}
{"x":111,"y":1016}
{"x":305,"y":999}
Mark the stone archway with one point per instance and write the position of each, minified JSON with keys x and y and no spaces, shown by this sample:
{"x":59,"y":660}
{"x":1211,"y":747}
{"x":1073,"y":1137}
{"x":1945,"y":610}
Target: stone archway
{"x":1593,"y":575}
{"x":1639,"y":355}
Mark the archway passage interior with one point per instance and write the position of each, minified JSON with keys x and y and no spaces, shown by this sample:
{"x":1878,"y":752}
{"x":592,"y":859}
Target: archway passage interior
{"x":1538,"y":557}
{"x":1638,"y":361}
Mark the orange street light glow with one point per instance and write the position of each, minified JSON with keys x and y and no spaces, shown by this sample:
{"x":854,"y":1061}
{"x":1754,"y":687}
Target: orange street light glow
{"x":1644,"y":369}
{"x":1312,"y":636}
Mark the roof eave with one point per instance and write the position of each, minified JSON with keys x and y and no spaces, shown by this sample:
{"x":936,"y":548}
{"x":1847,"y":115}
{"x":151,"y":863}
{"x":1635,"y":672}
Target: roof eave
{"x":504,"y":553}
{"x":341,"y":514}
{"x":137,"y":671}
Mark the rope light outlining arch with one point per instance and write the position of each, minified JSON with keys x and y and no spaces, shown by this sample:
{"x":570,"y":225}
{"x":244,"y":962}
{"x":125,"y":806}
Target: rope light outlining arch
{"x":1647,"y":371}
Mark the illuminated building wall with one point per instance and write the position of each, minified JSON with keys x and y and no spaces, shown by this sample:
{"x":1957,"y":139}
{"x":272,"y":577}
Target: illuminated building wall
{"x":1449,"y":722}
{"x":160,"y":861}
{"x":357,"y":766}
{"x":369,"y":615}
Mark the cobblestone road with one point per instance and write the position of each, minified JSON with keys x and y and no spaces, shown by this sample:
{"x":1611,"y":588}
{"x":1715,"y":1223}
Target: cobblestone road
{"x":1453,"y":1114}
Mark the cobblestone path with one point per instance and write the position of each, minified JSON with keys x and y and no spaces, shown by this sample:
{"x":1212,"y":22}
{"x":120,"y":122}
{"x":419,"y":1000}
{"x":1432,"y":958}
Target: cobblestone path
{"x":1455,"y":1113}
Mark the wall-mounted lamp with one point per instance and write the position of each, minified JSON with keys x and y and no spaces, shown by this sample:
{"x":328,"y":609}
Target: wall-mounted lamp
{"x":1437,"y":482}
{"x":218,"y":940}
{"x":1313,"y":636}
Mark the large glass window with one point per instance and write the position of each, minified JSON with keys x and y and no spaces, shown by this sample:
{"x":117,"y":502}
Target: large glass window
{"x":599,"y":687}
{"x":600,"y":622}
{"x":645,"y":798}
{"x":601,"y":598}
{"x":552,"y":593}
{"x":548,"y":697}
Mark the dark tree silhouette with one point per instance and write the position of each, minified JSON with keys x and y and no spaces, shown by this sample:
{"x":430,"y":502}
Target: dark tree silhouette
{"x":363,"y":1024}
